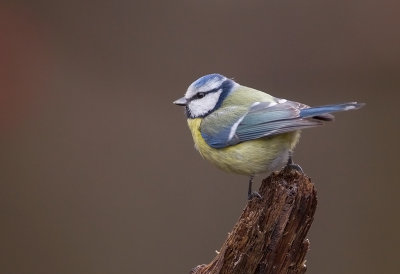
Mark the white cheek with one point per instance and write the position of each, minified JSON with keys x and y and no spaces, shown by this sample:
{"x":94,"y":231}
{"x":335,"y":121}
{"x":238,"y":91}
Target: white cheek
{"x":201,"y":106}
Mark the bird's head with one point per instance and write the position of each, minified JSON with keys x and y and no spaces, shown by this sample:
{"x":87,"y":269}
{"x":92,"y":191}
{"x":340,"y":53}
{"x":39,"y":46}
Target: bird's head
{"x":205,"y":95}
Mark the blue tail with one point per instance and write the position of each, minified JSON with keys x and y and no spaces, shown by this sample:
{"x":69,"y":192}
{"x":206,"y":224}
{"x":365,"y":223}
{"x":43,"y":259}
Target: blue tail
{"x":322,"y":112}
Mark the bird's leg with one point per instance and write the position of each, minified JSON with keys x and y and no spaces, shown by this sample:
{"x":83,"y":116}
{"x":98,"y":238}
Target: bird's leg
{"x":251,"y":194}
{"x":291,"y":165}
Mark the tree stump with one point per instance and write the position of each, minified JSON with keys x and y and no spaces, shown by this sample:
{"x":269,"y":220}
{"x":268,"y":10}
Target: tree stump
{"x":270,"y":235}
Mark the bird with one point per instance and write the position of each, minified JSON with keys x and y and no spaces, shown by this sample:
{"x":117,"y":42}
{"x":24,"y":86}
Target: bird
{"x":247,"y":131}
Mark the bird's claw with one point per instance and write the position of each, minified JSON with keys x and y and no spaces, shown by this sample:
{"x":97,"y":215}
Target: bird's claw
{"x":253,"y":194}
{"x":290,"y":167}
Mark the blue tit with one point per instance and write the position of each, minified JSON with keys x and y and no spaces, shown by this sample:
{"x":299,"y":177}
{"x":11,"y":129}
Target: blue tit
{"x":246,"y":131}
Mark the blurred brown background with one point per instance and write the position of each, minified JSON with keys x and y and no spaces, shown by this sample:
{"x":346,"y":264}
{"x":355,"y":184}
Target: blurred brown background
{"x":98,"y":171}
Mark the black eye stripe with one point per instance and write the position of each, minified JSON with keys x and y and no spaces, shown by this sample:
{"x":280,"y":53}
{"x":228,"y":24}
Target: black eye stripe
{"x":200,"y":95}
{"x":225,"y":88}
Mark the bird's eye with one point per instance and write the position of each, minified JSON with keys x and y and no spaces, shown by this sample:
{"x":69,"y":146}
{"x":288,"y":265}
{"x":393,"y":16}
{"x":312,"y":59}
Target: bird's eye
{"x":200,"y":95}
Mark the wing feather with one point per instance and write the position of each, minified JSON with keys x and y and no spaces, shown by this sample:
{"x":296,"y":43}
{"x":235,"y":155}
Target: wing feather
{"x":233,"y":125}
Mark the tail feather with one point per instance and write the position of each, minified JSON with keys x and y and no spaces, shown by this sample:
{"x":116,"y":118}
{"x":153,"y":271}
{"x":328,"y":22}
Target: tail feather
{"x":323,"y":112}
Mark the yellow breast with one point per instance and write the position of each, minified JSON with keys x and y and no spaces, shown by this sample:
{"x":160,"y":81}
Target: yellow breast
{"x":262,"y":155}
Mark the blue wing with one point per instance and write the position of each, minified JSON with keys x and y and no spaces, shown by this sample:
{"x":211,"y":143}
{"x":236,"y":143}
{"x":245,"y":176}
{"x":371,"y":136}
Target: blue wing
{"x":264,"y":119}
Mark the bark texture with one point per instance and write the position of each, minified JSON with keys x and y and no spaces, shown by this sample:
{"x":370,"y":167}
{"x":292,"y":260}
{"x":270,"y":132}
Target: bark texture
{"x":270,"y":235}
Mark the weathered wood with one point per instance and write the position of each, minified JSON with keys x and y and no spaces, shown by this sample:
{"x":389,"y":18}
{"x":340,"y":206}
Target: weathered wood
{"x":270,"y":235}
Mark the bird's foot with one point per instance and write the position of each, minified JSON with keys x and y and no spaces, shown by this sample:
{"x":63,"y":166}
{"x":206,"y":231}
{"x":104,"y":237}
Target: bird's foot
{"x":253,"y":194}
{"x":292,"y":166}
